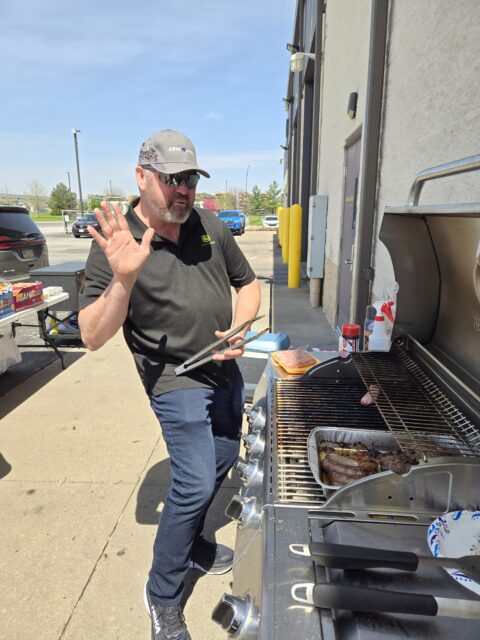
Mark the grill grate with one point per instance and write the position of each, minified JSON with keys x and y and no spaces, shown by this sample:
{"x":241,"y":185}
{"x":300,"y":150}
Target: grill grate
{"x":409,"y":404}
{"x":415,"y":409}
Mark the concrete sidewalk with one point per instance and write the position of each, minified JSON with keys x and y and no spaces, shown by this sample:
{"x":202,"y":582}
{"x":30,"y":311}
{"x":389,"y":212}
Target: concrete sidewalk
{"x":89,"y":472}
{"x":83,"y":475}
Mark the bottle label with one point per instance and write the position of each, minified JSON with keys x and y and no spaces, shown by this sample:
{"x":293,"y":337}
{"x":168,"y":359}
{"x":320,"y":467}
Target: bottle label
{"x":348,"y":344}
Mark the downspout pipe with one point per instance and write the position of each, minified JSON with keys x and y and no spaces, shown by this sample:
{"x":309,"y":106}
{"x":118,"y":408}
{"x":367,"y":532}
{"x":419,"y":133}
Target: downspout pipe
{"x":317,"y":83}
{"x":371,"y":147}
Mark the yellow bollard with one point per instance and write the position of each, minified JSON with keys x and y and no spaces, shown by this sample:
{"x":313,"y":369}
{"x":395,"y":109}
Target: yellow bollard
{"x":285,"y":234}
{"x":295,"y":246}
{"x":279,"y":231}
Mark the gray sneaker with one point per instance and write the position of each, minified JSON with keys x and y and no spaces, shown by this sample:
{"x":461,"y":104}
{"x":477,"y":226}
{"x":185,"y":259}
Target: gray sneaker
{"x":168,"y":623}
{"x":210,"y":557}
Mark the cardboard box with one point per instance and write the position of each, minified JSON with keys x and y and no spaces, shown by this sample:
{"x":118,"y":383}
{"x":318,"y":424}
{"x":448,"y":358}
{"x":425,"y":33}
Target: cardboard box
{"x":6,"y":301}
{"x":27,"y":294}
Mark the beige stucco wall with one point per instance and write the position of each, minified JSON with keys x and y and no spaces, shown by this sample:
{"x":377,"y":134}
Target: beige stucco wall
{"x":431,"y":107}
{"x":346,"y":42}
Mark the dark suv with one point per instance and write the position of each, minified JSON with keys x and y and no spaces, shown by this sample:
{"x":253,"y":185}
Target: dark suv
{"x":22,"y":244}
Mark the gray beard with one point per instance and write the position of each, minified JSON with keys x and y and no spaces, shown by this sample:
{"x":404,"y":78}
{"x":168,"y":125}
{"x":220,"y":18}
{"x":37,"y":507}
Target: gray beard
{"x":177,"y":217}
{"x":167,"y":214}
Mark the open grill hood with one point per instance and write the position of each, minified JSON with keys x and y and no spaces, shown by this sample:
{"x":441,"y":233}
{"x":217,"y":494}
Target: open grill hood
{"x":435,"y":250}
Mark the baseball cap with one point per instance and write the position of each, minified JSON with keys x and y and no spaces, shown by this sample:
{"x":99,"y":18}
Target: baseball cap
{"x":170,"y":152}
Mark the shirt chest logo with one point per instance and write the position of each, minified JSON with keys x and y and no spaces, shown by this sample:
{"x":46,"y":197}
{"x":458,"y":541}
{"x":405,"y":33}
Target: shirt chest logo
{"x":206,"y":240}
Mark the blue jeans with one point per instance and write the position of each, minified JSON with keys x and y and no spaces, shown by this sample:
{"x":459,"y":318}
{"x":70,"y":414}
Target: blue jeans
{"x":201,"y":428}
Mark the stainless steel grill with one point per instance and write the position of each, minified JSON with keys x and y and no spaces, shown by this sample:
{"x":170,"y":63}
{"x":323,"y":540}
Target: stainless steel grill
{"x":428,"y":399}
{"x":410,"y":405}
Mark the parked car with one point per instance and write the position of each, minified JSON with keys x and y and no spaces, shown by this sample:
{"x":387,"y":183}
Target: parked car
{"x":22,"y":244}
{"x":79,"y":228}
{"x":234,"y":219}
{"x":270,"y":222}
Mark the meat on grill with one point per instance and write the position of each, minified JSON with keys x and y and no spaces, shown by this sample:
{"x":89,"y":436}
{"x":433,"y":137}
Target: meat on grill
{"x":350,"y":472}
{"x":371,"y":396}
{"x":294,"y":358}
{"x":398,"y":462}
{"x":342,"y":463}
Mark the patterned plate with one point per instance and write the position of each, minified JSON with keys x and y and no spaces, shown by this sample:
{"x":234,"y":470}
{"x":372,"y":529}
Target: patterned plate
{"x":453,"y":535}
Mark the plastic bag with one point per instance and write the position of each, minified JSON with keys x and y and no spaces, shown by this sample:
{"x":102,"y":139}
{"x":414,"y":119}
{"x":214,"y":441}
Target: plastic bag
{"x":9,"y":352}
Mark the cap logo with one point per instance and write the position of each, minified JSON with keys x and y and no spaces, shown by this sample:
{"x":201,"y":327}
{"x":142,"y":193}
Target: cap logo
{"x":148,"y":154}
{"x":184,"y":149}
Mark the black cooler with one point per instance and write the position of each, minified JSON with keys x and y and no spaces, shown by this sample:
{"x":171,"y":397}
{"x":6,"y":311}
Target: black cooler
{"x":69,"y":276}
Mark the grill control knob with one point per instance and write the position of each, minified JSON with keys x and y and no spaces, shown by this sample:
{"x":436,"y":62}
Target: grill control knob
{"x":256,"y":418}
{"x":249,"y":471}
{"x":254,"y":443}
{"x":237,"y":616}
{"x":243,"y":510}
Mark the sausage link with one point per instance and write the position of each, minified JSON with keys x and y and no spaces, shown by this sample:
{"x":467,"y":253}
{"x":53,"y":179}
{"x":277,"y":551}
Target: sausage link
{"x":334,"y":467}
{"x":349,"y":461}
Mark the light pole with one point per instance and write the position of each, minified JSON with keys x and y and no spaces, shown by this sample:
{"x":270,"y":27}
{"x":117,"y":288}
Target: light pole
{"x":75,"y":131}
{"x":69,"y":185}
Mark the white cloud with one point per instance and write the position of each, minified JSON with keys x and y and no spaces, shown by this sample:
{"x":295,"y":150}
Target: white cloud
{"x":107,"y":34}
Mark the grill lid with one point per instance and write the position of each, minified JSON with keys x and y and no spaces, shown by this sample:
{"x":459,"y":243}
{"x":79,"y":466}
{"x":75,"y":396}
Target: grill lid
{"x":435,"y":250}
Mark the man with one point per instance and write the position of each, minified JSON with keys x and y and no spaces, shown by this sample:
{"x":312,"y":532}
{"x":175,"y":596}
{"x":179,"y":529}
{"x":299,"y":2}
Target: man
{"x":164,"y":272}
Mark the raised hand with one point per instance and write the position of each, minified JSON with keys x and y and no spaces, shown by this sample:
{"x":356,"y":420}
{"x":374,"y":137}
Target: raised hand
{"x":125,"y":256}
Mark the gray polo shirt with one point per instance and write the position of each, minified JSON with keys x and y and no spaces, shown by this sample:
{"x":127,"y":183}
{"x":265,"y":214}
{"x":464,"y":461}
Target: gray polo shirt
{"x":182,"y":295}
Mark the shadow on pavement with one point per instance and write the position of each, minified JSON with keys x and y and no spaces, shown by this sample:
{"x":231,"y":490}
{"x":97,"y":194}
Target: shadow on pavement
{"x":153,"y":492}
{"x":5,"y":467}
{"x":37,"y":368}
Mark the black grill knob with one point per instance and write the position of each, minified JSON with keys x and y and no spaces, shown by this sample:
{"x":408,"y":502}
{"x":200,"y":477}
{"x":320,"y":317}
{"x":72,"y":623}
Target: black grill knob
{"x":237,"y":616}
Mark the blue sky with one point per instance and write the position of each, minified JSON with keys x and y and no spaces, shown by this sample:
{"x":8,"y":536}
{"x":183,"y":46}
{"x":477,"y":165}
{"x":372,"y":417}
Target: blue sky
{"x":215,"y":69}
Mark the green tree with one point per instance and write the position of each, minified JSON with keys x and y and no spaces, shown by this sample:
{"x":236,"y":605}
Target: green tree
{"x":256,"y":203}
{"x":95,"y":203}
{"x":62,"y":198}
{"x":225,"y":200}
{"x":273,"y":196}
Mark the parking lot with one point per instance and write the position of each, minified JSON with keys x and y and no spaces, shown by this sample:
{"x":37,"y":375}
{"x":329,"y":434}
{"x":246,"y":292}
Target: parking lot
{"x":84,"y":474}
{"x":63,"y":247}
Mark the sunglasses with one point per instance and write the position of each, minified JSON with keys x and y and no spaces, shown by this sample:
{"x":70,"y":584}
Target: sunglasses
{"x":175,"y":180}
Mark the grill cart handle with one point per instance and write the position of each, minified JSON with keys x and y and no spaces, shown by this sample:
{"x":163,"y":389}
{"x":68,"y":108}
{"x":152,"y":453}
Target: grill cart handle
{"x":343,"y":556}
{"x":347,"y":597}
{"x":472,"y":163}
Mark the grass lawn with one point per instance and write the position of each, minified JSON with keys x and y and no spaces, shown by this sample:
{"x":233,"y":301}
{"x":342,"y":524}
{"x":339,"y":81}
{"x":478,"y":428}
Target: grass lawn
{"x":255,"y":220}
{"x":45,"y":217}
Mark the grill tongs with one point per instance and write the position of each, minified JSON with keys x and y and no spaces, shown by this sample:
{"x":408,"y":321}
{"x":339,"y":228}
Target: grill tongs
{"x":206,"y":354}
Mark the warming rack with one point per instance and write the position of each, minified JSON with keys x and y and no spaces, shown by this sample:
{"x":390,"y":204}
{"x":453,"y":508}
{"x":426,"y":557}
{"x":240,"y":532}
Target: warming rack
{"x":416,"y":411}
